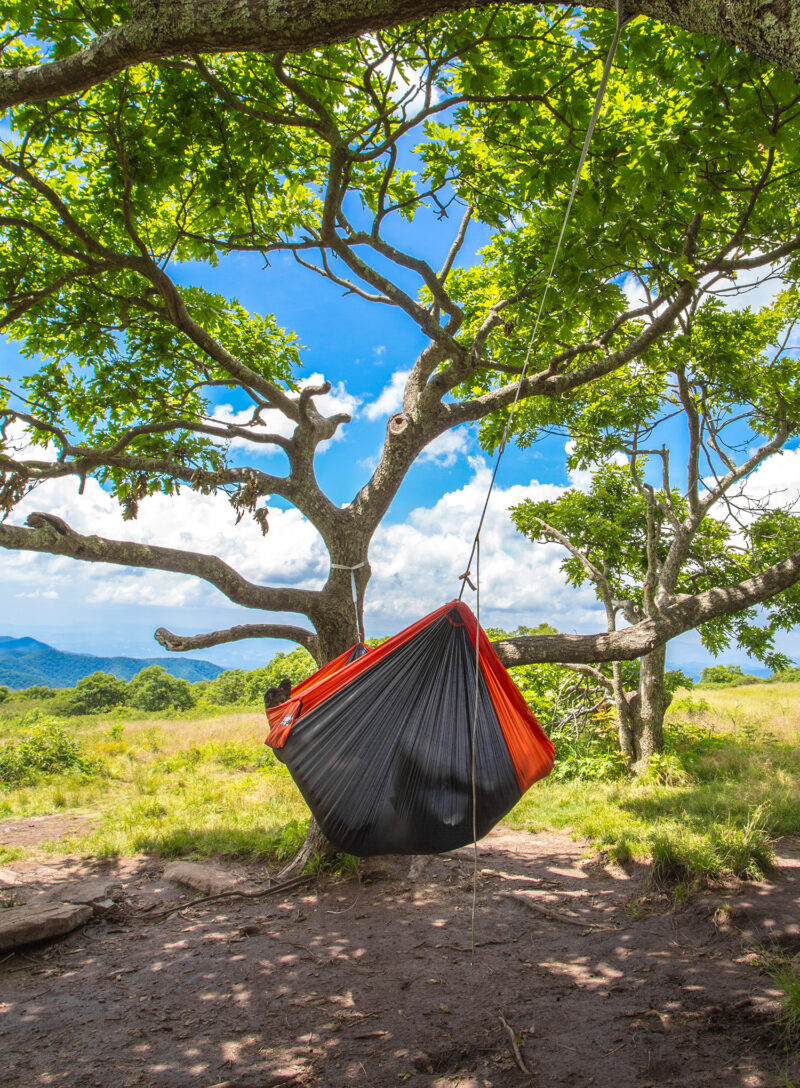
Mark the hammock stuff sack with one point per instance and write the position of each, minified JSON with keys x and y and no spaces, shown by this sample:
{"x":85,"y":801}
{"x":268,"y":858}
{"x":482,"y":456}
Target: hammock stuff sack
{"x":379,"y":741}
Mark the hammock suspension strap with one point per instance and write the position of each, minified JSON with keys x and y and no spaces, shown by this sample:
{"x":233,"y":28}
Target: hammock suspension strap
{"x":358,"y":566}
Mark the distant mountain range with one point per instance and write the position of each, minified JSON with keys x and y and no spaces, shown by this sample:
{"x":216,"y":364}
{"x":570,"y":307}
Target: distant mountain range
{"x":24,"y":661}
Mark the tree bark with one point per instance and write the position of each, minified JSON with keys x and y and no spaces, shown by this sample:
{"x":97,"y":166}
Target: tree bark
{"x":157,"y":30}
{"x":647,"y":709}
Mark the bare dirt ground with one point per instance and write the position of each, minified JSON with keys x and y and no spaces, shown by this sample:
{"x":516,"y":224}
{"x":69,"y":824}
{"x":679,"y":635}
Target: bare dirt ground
{"x":368,"y":980}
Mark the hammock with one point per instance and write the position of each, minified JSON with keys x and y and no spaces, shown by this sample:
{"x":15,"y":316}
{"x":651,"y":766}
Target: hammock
{"x":379,"y":741}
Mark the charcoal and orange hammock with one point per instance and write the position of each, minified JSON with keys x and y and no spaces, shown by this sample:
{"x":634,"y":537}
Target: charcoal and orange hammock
{"x":379,"y":741}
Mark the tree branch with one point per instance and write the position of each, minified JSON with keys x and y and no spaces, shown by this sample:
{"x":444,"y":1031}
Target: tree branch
{"x":157,"y":30}
{"x":179,"y":643}
{"x":51,"y":535}
{"x":632,"y":642}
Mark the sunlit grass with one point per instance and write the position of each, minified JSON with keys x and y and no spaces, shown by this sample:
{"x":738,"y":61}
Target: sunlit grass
{"x":710,"y":807}
{"x":173,"y":787}
{"x":706,"y":811}
{"x":772,"y":708}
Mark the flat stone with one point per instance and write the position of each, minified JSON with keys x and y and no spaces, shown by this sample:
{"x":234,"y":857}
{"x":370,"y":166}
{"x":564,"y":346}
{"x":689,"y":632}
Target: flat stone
{"x":24,"y":925}
{"x":90,"y":892}
{"x":207,"y":879}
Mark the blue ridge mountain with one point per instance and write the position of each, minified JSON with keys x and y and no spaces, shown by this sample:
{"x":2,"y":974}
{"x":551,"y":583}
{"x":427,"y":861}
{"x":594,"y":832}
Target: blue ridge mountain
{"x":26,"y":661}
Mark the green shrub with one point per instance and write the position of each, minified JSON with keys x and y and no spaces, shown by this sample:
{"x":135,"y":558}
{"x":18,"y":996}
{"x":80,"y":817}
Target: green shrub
{"x":37,"y":691}
{"x":727,"y":676}
{"x":94,"y":694}
{"x":297,"y":665}
{"x":228,"y":688}
{"x":686,"y":706}
{"x":43,"y":750}
{"x":789,"y":675}
{"x":155,"y":689}
{"x":5,"y":693}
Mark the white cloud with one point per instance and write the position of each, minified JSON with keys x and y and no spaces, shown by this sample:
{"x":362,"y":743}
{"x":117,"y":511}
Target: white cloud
{"x":776,"y":482}
{"x":41,"y":594}
{"x":391,"y":397}
{"x":292,"y":553}
{"x":415,"y":565}
{"x":447,"y":448}
{"x":337,"y":402}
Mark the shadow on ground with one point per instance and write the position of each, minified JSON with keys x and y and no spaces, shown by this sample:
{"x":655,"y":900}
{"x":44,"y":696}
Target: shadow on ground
{"x":370,"y":981}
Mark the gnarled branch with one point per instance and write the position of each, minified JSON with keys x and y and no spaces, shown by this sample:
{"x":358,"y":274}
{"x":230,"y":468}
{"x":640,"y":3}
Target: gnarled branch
{"x":51,"y":534}
{"x":632,"y":642}
{"x":178,"y":643}
{"x":155,"y":31}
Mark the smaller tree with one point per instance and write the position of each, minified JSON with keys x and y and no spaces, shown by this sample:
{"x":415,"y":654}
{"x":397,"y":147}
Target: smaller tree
{"x":643,"y":541}
{"x":730,"y":676}
{"x":227,"y":689}
{"x":155,"y":689}
{"x":94,"y":694}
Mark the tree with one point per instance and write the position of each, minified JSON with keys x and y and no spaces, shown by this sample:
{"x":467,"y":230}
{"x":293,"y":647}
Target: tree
{"x":642,"y":539}
{"x":726,"y":676}
{"x":95,"y":694}
{"x":691,"y":178}
{"x":155,"y":689}
{"x":96,"y":46}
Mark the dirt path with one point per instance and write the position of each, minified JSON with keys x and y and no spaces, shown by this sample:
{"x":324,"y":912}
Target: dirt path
{"x":369,"y":981}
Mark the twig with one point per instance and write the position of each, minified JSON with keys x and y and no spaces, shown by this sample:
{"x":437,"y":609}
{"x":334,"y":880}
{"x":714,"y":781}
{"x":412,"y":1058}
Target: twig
{"x":274,"y":889}
{"x":8,"y":957}
{"x":554,"y":914}
{"x":515,"y":1047}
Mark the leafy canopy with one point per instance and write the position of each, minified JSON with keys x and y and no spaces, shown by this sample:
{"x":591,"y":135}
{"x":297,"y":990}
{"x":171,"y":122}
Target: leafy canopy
{"x":103,"y":196}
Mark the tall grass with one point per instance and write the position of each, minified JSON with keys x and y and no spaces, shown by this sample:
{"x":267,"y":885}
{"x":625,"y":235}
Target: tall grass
{"x":710,"y":806}
{"x":208,"y":786}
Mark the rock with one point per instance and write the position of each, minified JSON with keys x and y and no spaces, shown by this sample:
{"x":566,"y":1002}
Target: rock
{"x":101,"y":895}
{"x":207,"y":879}
{"x":23,"y":925}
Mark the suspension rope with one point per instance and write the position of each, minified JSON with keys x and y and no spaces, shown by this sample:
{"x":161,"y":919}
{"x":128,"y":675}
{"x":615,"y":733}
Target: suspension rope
{"x":358,"y":566}
{"x":622,"y":21}
{"x":473,"y":743}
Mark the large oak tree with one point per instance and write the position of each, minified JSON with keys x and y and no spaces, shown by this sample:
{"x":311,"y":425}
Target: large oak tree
{"x":321,"y":155}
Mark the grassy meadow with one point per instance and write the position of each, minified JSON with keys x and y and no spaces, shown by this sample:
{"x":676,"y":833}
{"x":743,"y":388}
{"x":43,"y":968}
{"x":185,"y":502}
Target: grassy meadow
{"x":727,"y":784}
{"x":169,"y":786}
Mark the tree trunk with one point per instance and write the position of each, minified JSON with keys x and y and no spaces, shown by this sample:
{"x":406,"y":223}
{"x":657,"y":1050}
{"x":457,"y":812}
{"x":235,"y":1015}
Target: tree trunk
{"x":316,"y":846}
{"x":641,"y":714}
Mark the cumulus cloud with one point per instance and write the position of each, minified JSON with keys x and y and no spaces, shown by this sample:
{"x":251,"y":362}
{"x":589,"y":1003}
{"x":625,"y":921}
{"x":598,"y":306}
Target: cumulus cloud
{"x":292,"y":553}
{"x":776,"y":482}
{"x":337,"y":402}
{"x":416,"y":564}
{"x":447,"y":448}
{"x":390,"y":399}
